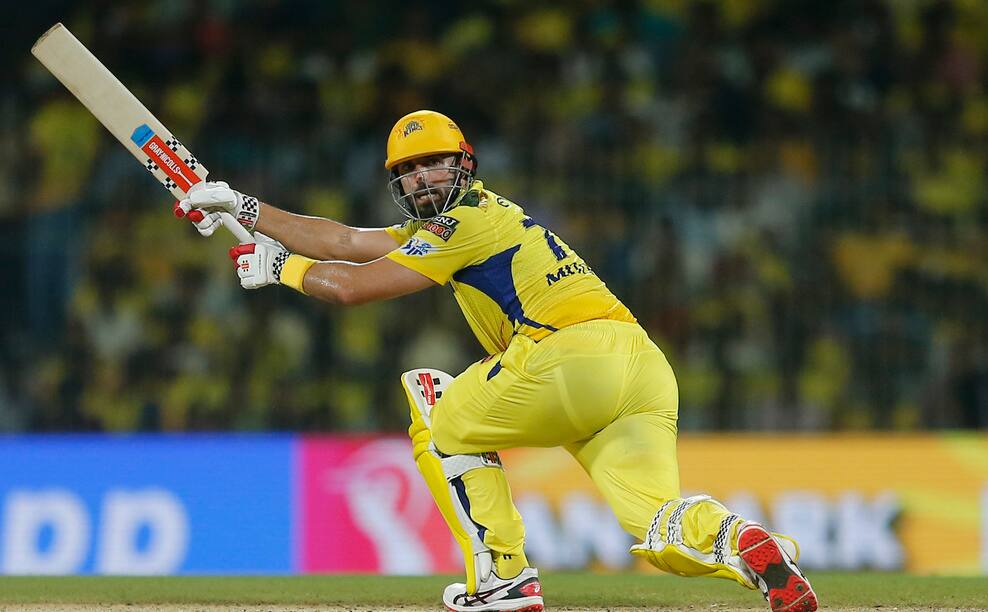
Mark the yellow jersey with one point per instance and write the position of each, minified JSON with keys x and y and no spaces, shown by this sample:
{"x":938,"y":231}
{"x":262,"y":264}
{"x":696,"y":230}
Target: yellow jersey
{"x":509,"y":274}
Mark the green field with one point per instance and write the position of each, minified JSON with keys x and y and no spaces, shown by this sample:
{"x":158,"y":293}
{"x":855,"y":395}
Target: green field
{"x":562,"y":590}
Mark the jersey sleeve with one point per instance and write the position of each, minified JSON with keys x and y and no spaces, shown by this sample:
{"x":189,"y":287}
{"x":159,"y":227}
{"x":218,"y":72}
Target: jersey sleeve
{"x":447,"y":243}
{"x":402,"y":231}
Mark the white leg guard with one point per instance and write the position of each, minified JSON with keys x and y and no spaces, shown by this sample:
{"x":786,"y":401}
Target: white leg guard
{"x":664,"y":546}
{"x":424,"y":387}
{"x":455,"y":466}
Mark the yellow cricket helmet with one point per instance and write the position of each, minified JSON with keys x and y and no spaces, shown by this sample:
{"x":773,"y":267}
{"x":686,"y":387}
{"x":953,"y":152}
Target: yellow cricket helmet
{"x":423,"y":133}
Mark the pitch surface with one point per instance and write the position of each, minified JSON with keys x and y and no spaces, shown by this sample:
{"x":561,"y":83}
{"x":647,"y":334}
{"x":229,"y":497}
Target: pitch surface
{"x":563,"y":592}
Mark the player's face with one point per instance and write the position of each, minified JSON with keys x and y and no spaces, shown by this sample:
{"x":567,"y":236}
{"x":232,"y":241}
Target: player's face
{"x":428,"y":179}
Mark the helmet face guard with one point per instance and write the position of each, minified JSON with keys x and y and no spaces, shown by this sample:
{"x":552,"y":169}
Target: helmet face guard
{"x":424,"y":134}
{"x":461,"y":173}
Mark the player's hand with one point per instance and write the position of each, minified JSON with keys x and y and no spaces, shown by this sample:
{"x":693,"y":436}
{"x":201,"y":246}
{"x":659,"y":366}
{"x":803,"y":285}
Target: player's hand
{"x":260,"y":263}
{"x":205,"y":201}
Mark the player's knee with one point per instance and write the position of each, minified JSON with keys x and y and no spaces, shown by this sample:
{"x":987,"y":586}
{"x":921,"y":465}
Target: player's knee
{"x":447,"y":440}
{"x":446,"y":446}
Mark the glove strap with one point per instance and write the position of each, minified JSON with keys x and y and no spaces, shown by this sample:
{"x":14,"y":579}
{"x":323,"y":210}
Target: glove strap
{"x":293,"y":271}
{"x":248,"y":212}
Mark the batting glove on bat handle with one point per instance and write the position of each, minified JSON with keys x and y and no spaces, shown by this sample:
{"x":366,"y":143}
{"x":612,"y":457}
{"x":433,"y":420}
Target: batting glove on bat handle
{"x":212,"y":204}
{"x":206,"y":223}
{"x":259,"y":264}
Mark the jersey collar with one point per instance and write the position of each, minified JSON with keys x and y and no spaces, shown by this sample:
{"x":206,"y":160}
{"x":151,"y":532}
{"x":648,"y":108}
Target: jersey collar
{"x":470,"y":197}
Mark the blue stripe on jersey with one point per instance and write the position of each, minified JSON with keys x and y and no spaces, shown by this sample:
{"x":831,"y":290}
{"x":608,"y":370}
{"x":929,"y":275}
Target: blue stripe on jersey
{"x":494,"y":370}
{"x":493,"y":278}
{"x":557,"y":250}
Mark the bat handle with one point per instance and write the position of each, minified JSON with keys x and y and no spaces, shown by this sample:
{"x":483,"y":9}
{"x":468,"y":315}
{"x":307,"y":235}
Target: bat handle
{"x":239,"y":231}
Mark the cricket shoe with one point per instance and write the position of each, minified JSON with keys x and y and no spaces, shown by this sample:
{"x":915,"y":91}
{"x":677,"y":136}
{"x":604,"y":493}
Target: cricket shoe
{"x":771,"y":563}
{"x":523,"y":593}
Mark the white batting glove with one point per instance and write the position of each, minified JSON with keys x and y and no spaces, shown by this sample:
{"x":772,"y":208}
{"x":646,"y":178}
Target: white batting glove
{"x":260,"y":263}
{"x":205,"y":201}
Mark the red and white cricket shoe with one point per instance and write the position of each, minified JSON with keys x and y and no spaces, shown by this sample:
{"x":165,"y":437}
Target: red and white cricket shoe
{"x":523,"y":593}
{"x":775,"y":571}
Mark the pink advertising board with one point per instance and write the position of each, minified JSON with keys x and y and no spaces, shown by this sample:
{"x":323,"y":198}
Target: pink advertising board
{"x":363,"y":507}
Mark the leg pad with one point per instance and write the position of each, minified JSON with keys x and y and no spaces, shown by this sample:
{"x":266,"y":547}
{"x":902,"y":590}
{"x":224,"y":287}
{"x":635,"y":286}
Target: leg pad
{"x":443,"y":473}
{"x":671,"y":545}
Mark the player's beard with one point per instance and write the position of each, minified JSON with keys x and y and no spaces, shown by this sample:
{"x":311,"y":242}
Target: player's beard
{"x":424,"y":199}
{"x":431,"y":199}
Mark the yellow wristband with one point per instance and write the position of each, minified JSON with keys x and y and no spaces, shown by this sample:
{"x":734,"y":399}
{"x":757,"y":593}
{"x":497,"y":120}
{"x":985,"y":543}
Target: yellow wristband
{"x":293,"y":272}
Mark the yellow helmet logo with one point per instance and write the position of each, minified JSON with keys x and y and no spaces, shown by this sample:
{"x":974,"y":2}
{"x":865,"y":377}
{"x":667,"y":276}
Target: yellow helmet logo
{"x":421,"y":134}
{"x":411,"y":126}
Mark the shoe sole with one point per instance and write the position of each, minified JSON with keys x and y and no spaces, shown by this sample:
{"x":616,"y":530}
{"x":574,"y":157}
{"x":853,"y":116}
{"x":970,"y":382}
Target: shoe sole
{"x":787,"y":589}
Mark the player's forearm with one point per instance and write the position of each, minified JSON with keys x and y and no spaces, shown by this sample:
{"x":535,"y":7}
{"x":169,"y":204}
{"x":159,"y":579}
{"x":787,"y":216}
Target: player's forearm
{"x":312,"y":237}
{"x":338,"y":282}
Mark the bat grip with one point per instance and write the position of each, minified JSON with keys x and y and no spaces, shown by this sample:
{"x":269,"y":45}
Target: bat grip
{"x":239,"y":231}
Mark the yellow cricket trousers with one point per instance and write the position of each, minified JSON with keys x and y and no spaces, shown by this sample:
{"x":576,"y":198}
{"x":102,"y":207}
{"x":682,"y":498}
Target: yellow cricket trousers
{"x":601,"y":389}
{"x":605,"y":392}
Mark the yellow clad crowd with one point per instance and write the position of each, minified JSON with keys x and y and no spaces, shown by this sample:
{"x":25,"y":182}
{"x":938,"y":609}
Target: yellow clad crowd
{"x":791,"y":198}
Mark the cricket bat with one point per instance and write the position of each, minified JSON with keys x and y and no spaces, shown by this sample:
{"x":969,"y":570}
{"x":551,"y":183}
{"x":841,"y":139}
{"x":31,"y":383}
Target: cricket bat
{"x":119,"y":111}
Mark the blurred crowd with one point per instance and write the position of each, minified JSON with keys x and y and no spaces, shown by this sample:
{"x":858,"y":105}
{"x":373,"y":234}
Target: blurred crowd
{"x":789,"y":194}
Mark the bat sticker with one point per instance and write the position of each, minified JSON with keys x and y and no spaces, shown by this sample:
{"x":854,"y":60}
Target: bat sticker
{"x":142,"y":134}
{"x":163,"y":155}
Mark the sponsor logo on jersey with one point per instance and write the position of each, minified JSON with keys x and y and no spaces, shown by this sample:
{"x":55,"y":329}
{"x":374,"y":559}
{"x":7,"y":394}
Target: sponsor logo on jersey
{"x":441,"y":226}
{"x":567,"y":270}
{"x":491,"y":458}
{"x":411,"y":126}
{"x":417,"y":247}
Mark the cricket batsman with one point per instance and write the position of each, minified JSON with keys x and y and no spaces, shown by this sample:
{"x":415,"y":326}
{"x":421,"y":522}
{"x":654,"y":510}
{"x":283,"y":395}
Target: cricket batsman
{"x":568,"y":365}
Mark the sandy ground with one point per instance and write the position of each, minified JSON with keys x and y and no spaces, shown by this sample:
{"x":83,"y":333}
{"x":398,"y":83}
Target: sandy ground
{"x":214,"y":608}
